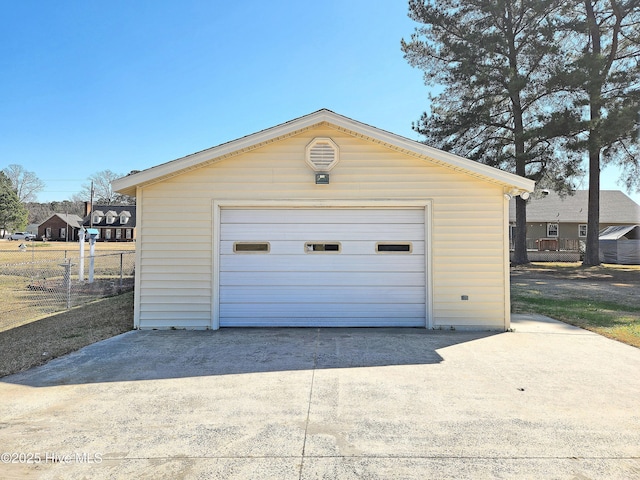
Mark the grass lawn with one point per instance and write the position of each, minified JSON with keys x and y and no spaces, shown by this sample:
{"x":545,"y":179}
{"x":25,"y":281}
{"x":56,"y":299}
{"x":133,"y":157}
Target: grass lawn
{"x":10,"y":252}
{"x":32,"y":282}
{"x":38,"y":342}
{"x":620,"y":322}
{"x":594,"y":305}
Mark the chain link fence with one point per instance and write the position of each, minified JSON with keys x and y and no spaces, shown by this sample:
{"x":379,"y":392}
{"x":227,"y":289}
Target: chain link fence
{"x":35,"y":282}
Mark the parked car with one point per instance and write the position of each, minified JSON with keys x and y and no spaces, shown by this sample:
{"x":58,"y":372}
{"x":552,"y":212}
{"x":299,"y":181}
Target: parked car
{"x":22,"y":236}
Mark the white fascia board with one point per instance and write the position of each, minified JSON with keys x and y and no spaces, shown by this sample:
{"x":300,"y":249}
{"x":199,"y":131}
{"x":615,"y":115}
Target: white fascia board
{"x":390,"y":139}
{"x":196,"y":159}
{"x":440,"y":156}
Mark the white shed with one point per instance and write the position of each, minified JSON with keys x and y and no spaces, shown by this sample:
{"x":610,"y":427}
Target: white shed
{"x":322,"y":221}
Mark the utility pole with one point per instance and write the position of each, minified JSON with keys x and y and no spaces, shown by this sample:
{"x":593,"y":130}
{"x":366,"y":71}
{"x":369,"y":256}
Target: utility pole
{"x":91,"y":203}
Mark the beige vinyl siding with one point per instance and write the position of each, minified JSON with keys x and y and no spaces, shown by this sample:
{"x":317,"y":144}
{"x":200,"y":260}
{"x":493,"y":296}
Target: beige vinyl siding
{"x":175,"y":263}
{"x":467,"y":218}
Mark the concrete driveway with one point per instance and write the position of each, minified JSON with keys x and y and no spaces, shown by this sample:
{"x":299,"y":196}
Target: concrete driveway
{"x":546,"y":401}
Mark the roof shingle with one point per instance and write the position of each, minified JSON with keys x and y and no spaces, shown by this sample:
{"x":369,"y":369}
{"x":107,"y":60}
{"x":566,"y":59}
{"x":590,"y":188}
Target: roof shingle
{"x":615,"y":207}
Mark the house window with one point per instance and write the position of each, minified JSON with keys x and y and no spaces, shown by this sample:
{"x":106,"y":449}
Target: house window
{"x":118,"y":233}
{"x":552,"y":229}
{"x":47,"y":232}
{"x":402,"y":247}
{"x":582,"y":230}
{"x":107,"y":234}
{"x":251,"y":247}
{"x":97,"y":218}
{"x":63,"y":233}
{"x":128,"y":233}
{"x":328,"y":247}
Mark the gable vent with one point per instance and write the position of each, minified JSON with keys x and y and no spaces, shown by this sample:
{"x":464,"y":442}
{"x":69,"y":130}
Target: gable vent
{"x":322,"y":154}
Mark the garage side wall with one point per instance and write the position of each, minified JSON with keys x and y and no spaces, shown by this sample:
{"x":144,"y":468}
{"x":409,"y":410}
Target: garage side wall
{"x":175,"y":234}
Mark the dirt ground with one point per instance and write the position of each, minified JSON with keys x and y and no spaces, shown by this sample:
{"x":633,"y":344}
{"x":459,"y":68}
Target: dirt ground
{"x":617,"y":284}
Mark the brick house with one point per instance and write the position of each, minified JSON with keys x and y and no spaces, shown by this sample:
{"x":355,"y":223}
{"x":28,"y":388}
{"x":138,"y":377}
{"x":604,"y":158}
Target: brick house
{"x":60,"y":227}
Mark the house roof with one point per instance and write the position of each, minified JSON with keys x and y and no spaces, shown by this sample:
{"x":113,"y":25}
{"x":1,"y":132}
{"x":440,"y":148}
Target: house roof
{"x":618,"y":231}
{"x":615,"y":207}
{"x":117,"y":211}
{"x":70,"y":219}
{"x":127,"y":185}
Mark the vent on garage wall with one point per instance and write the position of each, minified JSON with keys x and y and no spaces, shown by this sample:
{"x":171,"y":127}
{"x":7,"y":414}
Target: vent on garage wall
{"x":322,"y":154}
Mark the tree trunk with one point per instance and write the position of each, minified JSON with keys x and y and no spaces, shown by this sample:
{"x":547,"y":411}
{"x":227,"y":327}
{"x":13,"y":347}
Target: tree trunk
{"x":520,"y":256}
{"x":592,"y":250}
{"x":515,"y":89}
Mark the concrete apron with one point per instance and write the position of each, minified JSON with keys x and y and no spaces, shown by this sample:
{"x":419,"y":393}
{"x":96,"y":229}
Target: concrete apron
{"x":546,"y":401}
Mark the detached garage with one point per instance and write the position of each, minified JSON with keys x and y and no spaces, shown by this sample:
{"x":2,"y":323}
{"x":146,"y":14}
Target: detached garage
{"x":322,"y":221}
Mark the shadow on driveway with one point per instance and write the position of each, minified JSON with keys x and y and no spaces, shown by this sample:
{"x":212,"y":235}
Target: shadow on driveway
{"x":151,"y":355}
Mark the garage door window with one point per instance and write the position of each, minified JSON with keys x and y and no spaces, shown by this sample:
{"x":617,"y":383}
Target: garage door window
{"x":251,"y":247}
{"x":401,"y":247}
{"x":322,"y":247}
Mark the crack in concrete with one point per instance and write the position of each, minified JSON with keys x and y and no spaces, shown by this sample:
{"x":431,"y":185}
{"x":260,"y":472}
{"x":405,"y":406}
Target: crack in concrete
{"x":306,"y":426}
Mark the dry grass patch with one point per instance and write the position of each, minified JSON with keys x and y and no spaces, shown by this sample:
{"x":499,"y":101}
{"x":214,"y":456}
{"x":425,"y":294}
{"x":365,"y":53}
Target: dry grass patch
{"x":603,"y":299}
{"x":10,"y":253}
{"x":38,"y":342}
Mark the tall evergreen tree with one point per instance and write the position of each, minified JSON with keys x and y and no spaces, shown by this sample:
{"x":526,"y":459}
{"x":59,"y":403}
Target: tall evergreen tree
{"x":494,"y":60}
{"x":601,"y":78}
{"x":13,"y":214}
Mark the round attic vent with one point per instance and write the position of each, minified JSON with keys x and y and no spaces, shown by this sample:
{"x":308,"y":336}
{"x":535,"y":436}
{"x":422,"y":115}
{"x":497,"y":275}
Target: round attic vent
{"x":322,"y":154}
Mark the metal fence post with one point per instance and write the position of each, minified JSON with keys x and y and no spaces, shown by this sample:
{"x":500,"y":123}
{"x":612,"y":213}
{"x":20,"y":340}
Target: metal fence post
{"x":67,"y":281}
{"x":121,"y":271}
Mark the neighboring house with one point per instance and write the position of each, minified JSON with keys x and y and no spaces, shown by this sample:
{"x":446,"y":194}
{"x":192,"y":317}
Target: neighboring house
{"x":115,"y":223}
{"x":60,"y":227}
{"x":322,"y":221}
{"x":560,"y":223}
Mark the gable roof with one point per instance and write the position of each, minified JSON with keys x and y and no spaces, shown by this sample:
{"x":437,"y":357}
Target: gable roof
{"x":615,"y":207}
{"x":127,"y":185}
{"x":70,"y":219}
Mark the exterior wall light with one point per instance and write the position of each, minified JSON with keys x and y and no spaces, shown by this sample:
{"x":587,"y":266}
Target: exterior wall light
{"x":322,"y":179}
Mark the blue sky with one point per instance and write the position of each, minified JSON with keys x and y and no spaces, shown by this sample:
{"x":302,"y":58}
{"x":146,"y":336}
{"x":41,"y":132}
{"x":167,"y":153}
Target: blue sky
{"x":126,"y":85}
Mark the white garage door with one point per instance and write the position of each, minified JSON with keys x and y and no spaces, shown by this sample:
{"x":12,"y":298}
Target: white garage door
{"x":322,"y":267}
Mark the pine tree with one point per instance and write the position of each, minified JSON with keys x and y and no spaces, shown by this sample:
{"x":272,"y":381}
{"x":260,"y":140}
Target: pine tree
{"x":601,"y":79}
{"x":13,"y":214}
{"x":494,"y":60}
